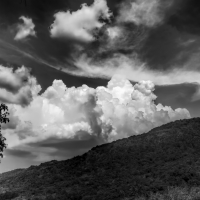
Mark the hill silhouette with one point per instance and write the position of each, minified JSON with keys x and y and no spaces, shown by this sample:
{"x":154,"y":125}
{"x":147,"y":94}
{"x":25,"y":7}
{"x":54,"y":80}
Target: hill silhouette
{"x":143,"y":165}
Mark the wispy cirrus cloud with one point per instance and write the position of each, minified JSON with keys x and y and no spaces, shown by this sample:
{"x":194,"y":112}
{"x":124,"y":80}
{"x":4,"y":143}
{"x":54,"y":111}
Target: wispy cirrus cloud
{"x":143,"y":12}
{"x":135,"y":70}
{"x":196,"y":96}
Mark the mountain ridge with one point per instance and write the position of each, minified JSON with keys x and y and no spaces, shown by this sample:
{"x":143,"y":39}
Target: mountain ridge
{"x":166,"y":156}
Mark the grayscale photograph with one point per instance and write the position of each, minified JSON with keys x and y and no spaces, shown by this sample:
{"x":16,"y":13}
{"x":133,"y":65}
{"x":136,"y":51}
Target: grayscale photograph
{"x":99,"y":99}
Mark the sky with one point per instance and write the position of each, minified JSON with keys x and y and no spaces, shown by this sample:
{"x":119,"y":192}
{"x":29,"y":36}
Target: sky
{"x":76,"y":74}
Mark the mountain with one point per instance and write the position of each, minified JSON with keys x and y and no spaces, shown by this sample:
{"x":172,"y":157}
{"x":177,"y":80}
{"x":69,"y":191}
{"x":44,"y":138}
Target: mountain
{"x":163,"y":160}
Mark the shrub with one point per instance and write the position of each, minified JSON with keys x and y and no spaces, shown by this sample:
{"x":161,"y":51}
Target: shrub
{"x":8,"y":195}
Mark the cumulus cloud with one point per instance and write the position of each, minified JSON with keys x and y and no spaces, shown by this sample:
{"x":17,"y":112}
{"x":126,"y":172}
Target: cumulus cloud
{"x":25,"y":29}
{"x":17,"y":86}
{"x":14,"y":120}
{"x":143,"y":12}
{"x":131,"y":110}
{"x":81,"y":23}
{"x":12,"y":81}
{"x":108,"y":113}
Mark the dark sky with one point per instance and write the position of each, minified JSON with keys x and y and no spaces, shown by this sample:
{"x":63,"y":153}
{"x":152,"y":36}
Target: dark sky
{"x":141,"y":40}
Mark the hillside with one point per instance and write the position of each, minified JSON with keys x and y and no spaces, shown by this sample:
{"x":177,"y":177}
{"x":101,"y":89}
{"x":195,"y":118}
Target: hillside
{"x":122,"y":170}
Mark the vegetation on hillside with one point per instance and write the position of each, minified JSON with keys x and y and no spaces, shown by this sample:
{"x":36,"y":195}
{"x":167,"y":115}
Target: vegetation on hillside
{"x":163,"y":162}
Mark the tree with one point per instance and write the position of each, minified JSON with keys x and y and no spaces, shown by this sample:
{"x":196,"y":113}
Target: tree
{"x":3,"y":119}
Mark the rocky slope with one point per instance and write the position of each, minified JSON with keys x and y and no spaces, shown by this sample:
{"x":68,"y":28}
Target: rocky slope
{"x":125,"y":169}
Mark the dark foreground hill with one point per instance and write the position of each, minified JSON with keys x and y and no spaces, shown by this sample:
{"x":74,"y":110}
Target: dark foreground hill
{"x":144,"y":165}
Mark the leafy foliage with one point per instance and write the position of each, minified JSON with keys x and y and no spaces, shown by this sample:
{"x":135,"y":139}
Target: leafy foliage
{"x":173,"y":193}
{"x":3,"y":119}
{"x":139,"y":166}
{"x":8,"y":195}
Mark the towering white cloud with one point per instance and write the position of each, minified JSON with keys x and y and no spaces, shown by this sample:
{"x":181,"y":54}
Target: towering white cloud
{"x":81,"y":23}
{"x":25,"y":29}
{"x":130,"y":110}
{"x":108,"y":113}
{"x":143,"y":12}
